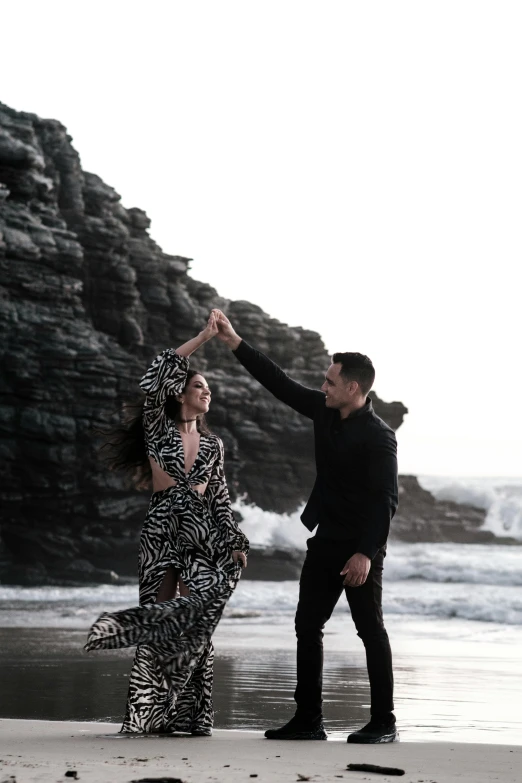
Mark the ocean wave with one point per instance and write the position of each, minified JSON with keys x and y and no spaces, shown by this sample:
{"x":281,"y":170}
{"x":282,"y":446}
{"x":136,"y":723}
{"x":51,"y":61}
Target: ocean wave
{"x":470,"y":564}
{"x":275,"y":602}
{"x":501,"y":498}
{"x":436,"y":563}
{"x":485,"y":603}
{"x":84,"y":595}
{"x":267,"y":528}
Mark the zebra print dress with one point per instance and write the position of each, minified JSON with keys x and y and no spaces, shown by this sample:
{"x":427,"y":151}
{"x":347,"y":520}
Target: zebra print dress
{"x":170,"y":687}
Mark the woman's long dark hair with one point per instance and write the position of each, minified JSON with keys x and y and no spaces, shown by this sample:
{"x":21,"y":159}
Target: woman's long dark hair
{"x":123,"y":446}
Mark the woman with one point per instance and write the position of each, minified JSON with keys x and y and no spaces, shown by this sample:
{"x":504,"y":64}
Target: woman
{"x":190,"y":539}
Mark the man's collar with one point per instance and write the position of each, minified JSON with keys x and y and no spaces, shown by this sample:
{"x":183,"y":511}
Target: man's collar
{"x":367,"y":408}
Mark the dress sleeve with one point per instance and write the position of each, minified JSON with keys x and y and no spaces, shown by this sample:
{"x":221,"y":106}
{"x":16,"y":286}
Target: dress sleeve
{"x":220,"y":506}
{"x":166,"y":376}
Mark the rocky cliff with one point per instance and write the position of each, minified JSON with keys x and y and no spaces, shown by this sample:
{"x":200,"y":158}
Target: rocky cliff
{"x":87,"y":299}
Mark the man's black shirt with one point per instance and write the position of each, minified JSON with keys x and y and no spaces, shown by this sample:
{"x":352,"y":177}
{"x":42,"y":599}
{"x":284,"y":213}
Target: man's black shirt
{"x":355,"y":494}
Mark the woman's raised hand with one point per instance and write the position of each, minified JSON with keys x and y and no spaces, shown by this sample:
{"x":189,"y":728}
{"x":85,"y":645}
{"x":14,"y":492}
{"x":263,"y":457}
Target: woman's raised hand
{"x":211,"y":329}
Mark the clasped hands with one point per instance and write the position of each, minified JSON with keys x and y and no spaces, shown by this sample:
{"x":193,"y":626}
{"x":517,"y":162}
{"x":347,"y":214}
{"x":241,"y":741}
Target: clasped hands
{"x":218,"y":325}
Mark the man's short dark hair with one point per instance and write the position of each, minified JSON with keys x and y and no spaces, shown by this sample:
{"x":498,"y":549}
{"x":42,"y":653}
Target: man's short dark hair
{"x":356,"y":367}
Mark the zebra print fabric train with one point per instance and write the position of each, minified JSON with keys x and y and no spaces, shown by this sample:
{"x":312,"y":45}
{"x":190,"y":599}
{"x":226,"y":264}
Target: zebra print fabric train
{"x":170,"y":687}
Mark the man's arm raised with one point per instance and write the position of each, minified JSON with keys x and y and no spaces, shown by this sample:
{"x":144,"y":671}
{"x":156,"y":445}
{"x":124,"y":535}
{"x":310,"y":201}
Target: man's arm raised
{"x":267,"y":372}
{"x":226,"y":332}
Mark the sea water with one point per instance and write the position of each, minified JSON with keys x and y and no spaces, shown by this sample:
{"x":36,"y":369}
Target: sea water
{"x":453,"y":612}
{"x":479,"y":582}
{"x":470,"y":581}
{"x":501,"y":498}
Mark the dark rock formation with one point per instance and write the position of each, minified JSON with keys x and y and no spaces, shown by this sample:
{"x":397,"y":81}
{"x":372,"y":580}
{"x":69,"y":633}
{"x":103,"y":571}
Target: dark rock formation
{"x":421,"y":517}
{"x":87,"y":299}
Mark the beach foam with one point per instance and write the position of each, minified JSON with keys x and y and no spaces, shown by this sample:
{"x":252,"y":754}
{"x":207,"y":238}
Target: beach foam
{"x":267,"y":528}
{"x":500,"y":497}
{"x":468,"y":581}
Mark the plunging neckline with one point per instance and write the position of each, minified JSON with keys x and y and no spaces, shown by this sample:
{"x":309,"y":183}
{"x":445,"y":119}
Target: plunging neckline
{"x":185,"y":472}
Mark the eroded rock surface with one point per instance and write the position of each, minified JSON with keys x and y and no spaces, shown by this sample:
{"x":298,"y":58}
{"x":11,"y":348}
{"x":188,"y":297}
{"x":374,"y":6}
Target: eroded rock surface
{"x":87,"y":299}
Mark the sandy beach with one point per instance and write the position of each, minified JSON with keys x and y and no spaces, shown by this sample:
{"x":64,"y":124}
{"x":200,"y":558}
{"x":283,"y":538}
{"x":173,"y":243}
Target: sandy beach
{"x":458,"y":686}
{"x":456,"y":679}
{"x":45,"y":751}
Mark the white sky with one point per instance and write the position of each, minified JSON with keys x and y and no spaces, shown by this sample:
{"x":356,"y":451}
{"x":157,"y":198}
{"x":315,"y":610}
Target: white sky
{"x":351,"y":167}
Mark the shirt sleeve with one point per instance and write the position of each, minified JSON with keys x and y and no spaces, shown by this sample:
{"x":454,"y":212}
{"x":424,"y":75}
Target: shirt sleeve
{"x":382,"y":485}
{"x":166,"y":376}
{"x":220,"y":506}
{"x":275,"y":380}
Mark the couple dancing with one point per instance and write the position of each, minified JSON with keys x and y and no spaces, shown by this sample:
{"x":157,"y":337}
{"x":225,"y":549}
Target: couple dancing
{"x":192,"y":550}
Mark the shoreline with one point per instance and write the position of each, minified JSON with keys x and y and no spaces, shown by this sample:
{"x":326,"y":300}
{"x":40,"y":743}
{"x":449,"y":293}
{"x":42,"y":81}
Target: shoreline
{"x":33,"y":750}
{"x":454,"y":682}
{"x":217,"y":732}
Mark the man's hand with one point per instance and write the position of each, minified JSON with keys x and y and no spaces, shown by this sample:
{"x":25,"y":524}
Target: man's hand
{"x":356,"y":570}
{"x":226,"y":332}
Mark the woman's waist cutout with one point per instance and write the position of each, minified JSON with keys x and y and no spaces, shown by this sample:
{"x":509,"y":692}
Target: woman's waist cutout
{"x":161,"y":480}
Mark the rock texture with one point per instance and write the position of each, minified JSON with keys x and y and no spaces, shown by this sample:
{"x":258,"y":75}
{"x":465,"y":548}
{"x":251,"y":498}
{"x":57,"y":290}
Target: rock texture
{"x":420,"y":517}
{"x":87,"y":299}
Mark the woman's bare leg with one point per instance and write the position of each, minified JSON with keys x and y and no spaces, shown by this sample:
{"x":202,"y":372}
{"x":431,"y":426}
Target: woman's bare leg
{"x":169,"y":586}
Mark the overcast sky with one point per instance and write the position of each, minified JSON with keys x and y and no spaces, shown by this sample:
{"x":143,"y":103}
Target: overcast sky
{"x":351,"y":167}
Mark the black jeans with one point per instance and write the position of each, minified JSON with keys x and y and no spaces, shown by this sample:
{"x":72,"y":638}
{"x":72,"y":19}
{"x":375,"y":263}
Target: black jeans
{"x":319,"y":590}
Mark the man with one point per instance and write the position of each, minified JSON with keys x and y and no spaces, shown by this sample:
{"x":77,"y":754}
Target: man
{"x":352,"y":503}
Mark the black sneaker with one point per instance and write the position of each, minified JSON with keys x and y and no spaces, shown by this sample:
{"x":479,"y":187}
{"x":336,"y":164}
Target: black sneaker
{"x":297,"y":729}
{"x":374,"y":733}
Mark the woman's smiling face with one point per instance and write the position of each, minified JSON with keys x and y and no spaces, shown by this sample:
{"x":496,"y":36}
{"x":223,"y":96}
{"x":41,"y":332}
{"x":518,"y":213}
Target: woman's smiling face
{"x":196,"y":395}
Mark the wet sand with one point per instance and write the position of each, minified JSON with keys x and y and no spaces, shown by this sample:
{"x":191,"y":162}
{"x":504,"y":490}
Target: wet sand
{"x":44,"y":751}
{"x":467,"y":690}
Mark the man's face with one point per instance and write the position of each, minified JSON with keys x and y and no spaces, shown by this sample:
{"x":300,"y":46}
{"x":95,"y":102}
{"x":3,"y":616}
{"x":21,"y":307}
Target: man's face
{"x":339,"y":392}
